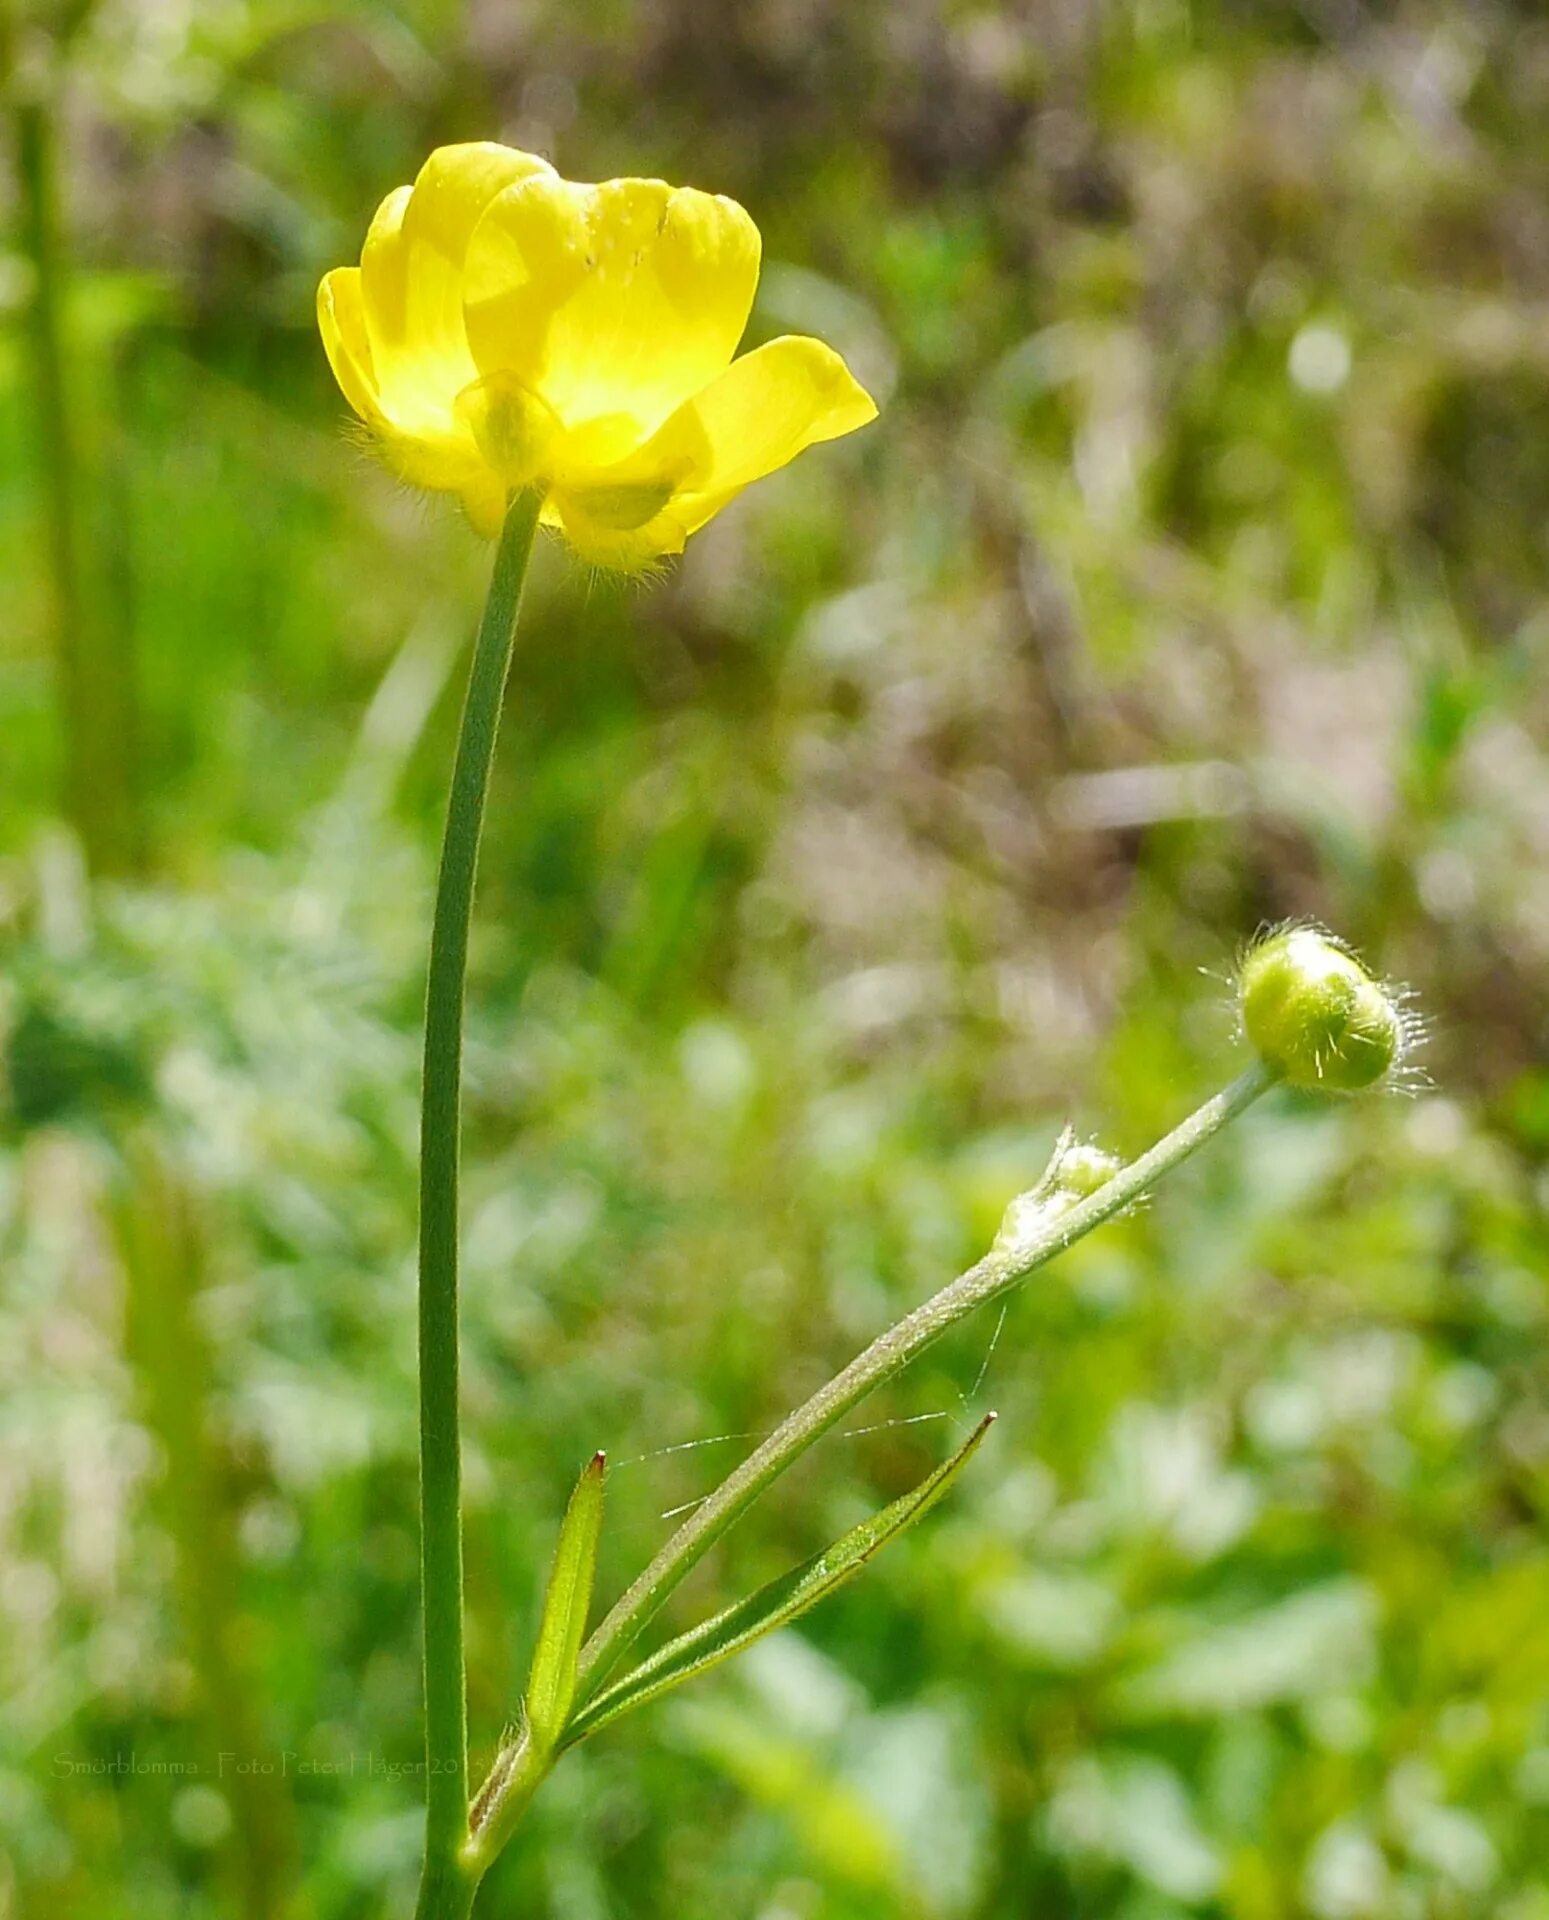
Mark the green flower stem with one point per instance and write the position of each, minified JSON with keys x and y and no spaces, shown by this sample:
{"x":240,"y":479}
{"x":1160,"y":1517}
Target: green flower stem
{"x":447,"y":1889}
{"x":1000,"y":1269}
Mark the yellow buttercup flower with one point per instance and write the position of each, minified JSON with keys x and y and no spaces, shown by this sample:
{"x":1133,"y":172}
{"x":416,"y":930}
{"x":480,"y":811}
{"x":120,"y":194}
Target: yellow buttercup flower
{"x":508,"y":329}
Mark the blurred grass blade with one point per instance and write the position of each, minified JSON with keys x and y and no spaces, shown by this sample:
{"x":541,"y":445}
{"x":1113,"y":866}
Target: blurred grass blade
{"x":775,"y":1605}
{"x":551,"y":1684}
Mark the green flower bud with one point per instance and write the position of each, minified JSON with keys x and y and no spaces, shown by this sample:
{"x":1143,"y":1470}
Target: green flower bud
{"x":1315,"y":1015}
{"x":1075,"y":1171}
{"x":1084,"y":1167}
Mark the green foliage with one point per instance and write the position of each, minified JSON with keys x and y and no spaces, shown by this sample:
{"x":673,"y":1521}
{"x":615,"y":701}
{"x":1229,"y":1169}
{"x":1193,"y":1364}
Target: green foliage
{"x":775,"y":1605}
{"x":551,"y":1685}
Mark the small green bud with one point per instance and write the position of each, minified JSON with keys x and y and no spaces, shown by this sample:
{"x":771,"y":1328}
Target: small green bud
{"x":1084,"y":1167}
{"x":1075,"y":1171}
{"x":1315,"y":1015}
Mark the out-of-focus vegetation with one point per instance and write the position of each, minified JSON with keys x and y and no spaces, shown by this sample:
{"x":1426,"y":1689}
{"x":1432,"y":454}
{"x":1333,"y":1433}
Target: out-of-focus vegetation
{"x":1193,"y":577}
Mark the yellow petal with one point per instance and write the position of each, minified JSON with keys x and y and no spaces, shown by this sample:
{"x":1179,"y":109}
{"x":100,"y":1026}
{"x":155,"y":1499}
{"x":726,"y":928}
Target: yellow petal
{"x":758,"y":414}
{"x":765,"y":409}
{"x":342,"y":323}
{"x":412,"y":280}
{"x":426,"y":457}
{"x":614,"y":302}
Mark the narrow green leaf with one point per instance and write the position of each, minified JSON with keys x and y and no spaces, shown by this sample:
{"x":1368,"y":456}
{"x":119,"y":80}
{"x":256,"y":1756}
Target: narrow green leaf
{"x":552,"y":1683}
{"x":775,"y":1605}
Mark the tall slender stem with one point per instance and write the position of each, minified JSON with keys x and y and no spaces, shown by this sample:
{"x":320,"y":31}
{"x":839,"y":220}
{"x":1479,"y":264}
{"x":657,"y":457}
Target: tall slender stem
{"x":1000,"y":1269}
{"x":446,"y":1709}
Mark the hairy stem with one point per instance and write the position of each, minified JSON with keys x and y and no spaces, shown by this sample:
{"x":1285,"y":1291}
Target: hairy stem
{"x":447,"y":1890}
{"x":519,"y":1770}
{"x":446,"y":1883}
{"x":1000,"y":1269}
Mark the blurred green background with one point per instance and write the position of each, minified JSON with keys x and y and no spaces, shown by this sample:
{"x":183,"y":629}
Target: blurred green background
{"x":1192,"y":578}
